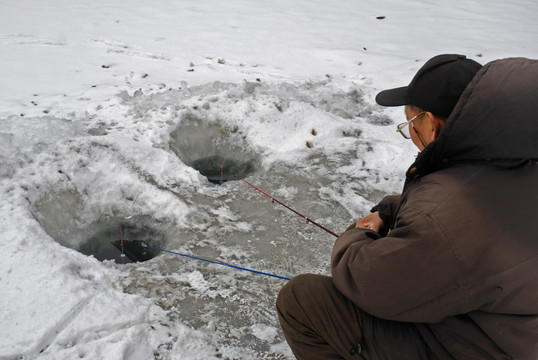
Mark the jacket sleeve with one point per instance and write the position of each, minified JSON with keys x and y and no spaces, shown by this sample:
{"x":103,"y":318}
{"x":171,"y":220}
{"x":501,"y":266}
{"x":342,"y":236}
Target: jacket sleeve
{"x":410,"y":275}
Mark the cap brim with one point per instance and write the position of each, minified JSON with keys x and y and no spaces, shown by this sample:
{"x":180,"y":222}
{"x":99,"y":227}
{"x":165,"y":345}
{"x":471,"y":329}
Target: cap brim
{"x":392,"y":97}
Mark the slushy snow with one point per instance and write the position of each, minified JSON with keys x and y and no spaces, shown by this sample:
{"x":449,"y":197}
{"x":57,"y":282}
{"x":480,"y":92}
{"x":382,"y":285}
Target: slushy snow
{"x":107,"y":108}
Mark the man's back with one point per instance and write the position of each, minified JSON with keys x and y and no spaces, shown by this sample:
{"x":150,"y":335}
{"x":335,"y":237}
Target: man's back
{"x":484,"y":215}
{"x":461,"y":260}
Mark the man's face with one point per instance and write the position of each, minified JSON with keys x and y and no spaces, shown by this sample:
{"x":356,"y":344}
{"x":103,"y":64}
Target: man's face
{"x":416,"y":128}
{"x":424,"y":128}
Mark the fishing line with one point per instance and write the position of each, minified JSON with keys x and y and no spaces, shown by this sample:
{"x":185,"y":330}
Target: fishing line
{"x":121,"y":242}
{"x":308,"y":220}
{"x":217,"y":262}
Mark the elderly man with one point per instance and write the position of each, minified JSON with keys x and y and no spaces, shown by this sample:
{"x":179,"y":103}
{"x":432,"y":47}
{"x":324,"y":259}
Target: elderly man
{"x":449,"y":268}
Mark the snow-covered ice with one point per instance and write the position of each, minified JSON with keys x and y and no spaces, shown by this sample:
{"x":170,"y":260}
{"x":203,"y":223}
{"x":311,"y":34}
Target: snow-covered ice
{"x":107,"y":110}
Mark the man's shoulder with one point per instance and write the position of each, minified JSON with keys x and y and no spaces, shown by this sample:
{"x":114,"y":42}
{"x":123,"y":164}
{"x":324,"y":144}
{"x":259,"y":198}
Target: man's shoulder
{"x":471,"y":186}
{"x":440,"y":184}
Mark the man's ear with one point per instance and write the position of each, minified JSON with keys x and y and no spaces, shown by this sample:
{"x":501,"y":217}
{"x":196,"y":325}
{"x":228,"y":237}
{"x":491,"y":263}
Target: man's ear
{"x":434,"y":126}
{"x":439,"y":123}
{"x":431,"y":127}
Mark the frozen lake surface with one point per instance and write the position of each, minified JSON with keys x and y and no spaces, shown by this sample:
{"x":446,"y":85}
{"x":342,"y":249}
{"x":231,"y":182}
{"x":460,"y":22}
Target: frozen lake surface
{"x":119,"y":124}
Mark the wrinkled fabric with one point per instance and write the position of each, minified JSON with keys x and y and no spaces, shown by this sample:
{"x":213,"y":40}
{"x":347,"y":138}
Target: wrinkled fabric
{"x":318,"y":321}
{"x":460,"y":257}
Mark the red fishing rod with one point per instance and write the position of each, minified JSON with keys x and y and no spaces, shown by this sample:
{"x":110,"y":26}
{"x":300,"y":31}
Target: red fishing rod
{"x":289,"y":208}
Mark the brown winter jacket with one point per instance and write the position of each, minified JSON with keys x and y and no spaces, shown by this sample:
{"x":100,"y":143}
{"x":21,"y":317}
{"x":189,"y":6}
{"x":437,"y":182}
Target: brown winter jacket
{"x":461,"y":257}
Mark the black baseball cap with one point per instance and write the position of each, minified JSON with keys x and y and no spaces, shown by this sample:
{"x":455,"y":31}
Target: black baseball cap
{"x":436,"y":87}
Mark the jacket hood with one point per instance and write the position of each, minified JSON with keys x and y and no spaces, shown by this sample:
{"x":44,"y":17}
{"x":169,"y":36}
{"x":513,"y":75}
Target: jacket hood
{"x":495,"y":120}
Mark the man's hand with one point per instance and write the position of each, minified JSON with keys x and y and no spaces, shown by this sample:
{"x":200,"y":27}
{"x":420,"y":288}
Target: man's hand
{"x":372,"y":222}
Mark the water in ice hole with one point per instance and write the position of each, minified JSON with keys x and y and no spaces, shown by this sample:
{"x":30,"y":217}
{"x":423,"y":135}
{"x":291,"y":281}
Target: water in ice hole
{"x":218,"y":169}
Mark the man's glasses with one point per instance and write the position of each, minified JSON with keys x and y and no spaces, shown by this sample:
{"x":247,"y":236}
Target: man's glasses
{"x":403,"y":128}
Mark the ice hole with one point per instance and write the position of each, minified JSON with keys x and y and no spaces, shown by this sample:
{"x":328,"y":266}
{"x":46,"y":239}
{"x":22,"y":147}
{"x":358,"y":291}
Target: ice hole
{"x":217,"y":152}
{"x":62,"y":216}
{"x":123,"y":244}
{"x":218,"y":169}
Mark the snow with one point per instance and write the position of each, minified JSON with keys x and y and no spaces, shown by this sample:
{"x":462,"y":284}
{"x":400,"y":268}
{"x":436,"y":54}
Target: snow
{"x":103,"y":109}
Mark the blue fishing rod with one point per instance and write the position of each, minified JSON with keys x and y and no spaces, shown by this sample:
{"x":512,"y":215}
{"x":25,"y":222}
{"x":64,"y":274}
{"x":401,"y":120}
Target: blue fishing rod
{"x":217,"y":262}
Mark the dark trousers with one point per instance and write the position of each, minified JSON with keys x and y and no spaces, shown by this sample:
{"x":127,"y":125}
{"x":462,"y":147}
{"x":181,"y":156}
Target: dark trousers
{"x":321,"y":323}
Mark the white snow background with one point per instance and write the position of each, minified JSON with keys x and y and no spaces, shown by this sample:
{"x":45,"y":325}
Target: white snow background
{"x":106,"y":105}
